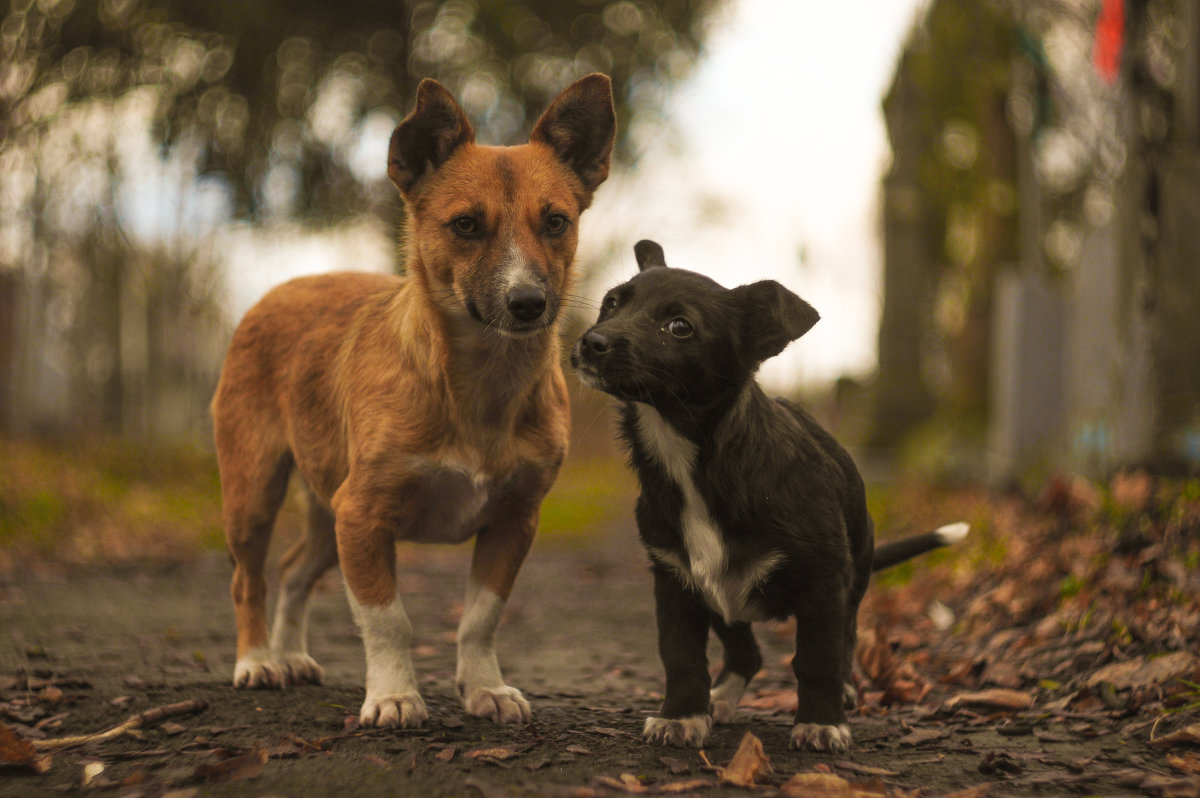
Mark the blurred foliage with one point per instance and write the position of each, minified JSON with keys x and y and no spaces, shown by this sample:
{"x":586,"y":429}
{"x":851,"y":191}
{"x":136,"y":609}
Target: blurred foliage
{"x":288,"y":87}
{"x":106,"y":500}
{"x":135,"y":135}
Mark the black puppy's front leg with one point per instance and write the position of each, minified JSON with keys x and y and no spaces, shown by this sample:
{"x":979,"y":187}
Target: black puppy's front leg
{"x":682,"y":645}
{"x":820,"y":668}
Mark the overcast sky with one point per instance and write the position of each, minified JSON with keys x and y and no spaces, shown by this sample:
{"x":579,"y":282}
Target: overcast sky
{"x":781,"y":123}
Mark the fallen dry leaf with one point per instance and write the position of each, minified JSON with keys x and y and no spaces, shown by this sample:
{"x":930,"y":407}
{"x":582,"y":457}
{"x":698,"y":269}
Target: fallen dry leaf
{"x":500,"y":754}
{"x":245,"y":766}
{"x":1144,"y":671}
{"x":446,"y":754}
{"x":1188,"y":735}
{"x":828,"y":785}
{"x":16,"y":750}
{"x":1188,"y":763}
{"x":749,"y":765}
{"x":781,"y":701}
{"x":897,"y":678}
{"x":998,"y":698}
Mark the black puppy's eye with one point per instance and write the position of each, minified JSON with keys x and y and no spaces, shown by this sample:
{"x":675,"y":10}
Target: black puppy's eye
{"x":556,"y":224}
{"x":609,"y":303}
{"x":465,"y":226}
{"x":679,"y":328}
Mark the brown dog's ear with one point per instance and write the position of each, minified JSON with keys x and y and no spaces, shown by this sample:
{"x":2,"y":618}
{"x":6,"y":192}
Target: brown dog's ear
{"x":772,"y":317}
{"x":428,"y":136}
{"x":649,"y":255}
{"x":580,"y":126}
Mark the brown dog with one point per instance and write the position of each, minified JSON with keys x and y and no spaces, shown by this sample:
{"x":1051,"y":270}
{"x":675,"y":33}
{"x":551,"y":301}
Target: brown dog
{"x":429,"y":408}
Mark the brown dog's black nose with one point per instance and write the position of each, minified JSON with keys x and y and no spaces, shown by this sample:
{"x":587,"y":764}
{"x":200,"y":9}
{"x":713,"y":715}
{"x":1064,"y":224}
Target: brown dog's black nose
{"x":595,"y":343}
{"x":527,"y":303}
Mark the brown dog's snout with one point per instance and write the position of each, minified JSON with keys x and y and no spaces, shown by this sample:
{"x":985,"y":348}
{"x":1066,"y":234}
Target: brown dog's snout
{"x":526,"y":303}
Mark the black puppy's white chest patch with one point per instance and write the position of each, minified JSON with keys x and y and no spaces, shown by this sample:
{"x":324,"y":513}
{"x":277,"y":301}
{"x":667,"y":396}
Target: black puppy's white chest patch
{"x":704,"y":564}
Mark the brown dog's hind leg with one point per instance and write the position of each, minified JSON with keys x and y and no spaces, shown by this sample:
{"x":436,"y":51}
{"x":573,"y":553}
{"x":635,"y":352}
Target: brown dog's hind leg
{"x":252,"y":488}
{"x":303,"y":564}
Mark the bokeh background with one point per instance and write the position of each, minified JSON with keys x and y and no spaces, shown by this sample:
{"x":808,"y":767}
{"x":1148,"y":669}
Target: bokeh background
{"x":993,"y":204}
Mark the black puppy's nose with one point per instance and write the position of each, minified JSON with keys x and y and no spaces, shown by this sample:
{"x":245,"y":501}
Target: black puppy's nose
{"x":527,"y":303}
{"x":595,"y":344}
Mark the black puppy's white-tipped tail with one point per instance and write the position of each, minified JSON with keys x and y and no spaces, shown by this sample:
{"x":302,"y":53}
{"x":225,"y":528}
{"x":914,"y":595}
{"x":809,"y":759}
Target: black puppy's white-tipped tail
{"x":895,"y":552}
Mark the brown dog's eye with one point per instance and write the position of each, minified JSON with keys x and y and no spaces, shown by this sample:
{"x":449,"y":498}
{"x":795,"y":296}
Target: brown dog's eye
{"x":556,"y":224}
{"x":465,"y":226}
{"x":679,"y":328}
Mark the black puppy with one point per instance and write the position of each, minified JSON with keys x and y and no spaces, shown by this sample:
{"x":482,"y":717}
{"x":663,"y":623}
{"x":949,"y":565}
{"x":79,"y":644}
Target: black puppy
{"x":748,"y":508}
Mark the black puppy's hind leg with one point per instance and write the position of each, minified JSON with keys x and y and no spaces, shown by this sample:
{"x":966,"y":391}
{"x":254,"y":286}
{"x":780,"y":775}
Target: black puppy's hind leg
{"x":682,"y":645}
{"x":819,"y":665}
{"x":742,"y":660}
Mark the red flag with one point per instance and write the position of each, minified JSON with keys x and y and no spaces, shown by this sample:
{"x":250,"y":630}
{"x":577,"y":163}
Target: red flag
{"x":1110,"y":39}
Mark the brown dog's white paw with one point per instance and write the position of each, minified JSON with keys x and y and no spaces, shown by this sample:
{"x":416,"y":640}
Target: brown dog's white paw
{"x":259,"y":668}
{"x":820,"y":737}
{"x":301,"y":668}
{"x":501,"y":704}
{"x":406,"y":710}
{"x":690,"y":732}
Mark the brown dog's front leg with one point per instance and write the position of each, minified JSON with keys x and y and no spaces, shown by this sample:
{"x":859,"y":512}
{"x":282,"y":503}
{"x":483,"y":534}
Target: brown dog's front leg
{"x":368,"y":555}
{"x":500,"y":548}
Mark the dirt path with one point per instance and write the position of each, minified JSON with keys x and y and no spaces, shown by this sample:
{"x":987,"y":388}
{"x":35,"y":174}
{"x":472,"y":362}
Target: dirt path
{"x":82,"y":652}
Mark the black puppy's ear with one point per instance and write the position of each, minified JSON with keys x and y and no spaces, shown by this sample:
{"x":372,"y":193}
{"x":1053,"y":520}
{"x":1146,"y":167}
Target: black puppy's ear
{"x":580,"y":126}
{"x":649,"y":255}
{"x":428,"y":136}
{"x":772,"y":317}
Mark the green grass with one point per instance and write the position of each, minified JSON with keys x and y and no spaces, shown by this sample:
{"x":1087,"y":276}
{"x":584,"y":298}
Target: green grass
{"x":589,"y":496}
{"x":106,"y":499}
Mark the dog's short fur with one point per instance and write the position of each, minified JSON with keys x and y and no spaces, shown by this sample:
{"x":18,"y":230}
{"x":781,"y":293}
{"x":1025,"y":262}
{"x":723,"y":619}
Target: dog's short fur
{"x":429,"y":408}
{"x":748,"y":508}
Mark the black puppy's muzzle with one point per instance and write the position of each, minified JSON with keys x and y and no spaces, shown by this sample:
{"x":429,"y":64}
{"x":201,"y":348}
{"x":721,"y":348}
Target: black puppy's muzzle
{"x":594,"y":345}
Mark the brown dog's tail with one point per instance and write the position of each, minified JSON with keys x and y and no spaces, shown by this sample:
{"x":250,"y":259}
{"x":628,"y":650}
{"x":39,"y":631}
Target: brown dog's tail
{"x":895,"y":552}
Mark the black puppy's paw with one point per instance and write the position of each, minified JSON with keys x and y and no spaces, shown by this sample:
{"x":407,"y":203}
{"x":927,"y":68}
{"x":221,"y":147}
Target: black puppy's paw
{"x":690,"y":732}
{"x":723,"y":699}
{"x":819,"y":737}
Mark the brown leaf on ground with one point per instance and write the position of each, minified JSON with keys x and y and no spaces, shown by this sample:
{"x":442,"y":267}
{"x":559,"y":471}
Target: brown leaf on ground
{"x":827,"y":785}
{"x":749,"y":765}
{"x":245,"y":766}
{"x":783,"y":701}
{"x":1144,"y":671}
{"x":493,"y":753}
{"x":1188,"y":735}
{"x":1188,"y":763}
{"x":897,"y":678}
{"x":998,"y":698}
{"x":16,"y":750}
{"x":978,"y":791}
{"x":632,"y":784}
{"x":446,"y":754}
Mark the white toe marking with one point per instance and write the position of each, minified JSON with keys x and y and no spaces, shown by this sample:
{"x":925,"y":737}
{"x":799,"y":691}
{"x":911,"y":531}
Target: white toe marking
{"x":819,"y":737}
{"x":258,"y":668}
{"x":723,"y":699}
{"x":691,"y":732}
